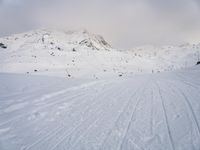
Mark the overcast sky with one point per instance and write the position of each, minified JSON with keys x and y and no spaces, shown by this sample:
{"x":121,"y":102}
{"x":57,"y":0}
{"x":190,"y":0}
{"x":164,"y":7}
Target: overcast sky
{"x":123,"y":23}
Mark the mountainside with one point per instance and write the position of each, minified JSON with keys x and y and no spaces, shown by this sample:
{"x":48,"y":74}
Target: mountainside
{"x":82,"y":54}
{"x":170,"y":57}
{"x":57,"y":39}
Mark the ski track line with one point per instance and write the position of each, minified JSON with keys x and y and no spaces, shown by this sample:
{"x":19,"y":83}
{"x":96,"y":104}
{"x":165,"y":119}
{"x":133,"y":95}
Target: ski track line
{"x":183,"y":82}
{"x":45,"y":96}
{"x":75,"y":143}
{"x":189,"y":106}
{"x":72,"y":133}
{"x":56,"y":128}
{"x":79,"y":103}
{"x":37,"y":109}
{"x":51,"y":134}
{"x":151,"y":127}
{"x":90,"y":126}
{"x":74,"y":130}
{"x":191,"y":73}
{"x":188,"y":78}
{"x":9,"y":97}
{"x":47,"y":105}
{"x":36,"y":102}
{"x":27,"y":125}
{"x":166,"y":117}
{"x":4,"y":99}
{"x":48,"y":136}
{"x":186,"y":82}
{"x":152,"y":112}
{"x":130,"y":121}
{"x":19,"y":94}
{"x":59,"y":92}
{"x":51,"y":131}
{"x":145,"y":146}
{"x":34,"y":90}
{"x":118,"y":118}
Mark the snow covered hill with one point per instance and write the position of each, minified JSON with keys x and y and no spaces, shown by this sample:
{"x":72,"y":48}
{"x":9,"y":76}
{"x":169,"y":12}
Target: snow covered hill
{"x":170,"y":57}
{"x":144,"y":112}
{"x":80,"y":54}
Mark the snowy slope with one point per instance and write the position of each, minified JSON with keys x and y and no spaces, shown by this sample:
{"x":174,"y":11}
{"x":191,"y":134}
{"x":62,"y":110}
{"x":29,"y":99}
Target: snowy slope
{"x":80,"y":54}
{"x":170,"y":57}
{"x":148,"y":112}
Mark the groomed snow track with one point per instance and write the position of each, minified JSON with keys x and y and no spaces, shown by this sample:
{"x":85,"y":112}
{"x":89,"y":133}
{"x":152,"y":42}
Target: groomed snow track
{"x":143,"y":112}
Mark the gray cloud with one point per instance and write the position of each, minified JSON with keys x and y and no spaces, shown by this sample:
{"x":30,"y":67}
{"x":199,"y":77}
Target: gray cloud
{"x":124,"y":23}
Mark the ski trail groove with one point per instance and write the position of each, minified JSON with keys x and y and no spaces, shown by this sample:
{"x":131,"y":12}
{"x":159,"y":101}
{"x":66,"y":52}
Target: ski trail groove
{"x":189,"y":106}
{"x":128,"y":103}
{"x":90,"y":126}
{"x":130,"y":121}
{"x":151,"y":116}
{"x":40,"y":108}
{"x":54,"y":132}
{"x":166,"y":117}
{"x":118,"y":118}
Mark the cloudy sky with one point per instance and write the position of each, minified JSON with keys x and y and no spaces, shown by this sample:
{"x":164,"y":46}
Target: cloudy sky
{"x":123,"y":23}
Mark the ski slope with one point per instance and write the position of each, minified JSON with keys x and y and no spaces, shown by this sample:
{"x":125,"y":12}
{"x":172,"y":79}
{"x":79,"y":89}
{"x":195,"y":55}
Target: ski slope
{"x":142,"y":112}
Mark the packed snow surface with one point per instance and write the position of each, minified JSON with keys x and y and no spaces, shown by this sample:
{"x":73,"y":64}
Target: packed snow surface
{"x":142,"y":112}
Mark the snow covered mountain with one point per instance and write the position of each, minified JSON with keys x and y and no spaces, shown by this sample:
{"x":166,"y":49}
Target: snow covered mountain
{"x":82,"y":54}
{"x":57,"y":39}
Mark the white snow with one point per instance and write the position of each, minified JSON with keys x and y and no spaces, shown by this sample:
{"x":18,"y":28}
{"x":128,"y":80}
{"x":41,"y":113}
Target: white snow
{"x":80,"y":54}
{"x":95,"y":108}
{"x":159,"y":111}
